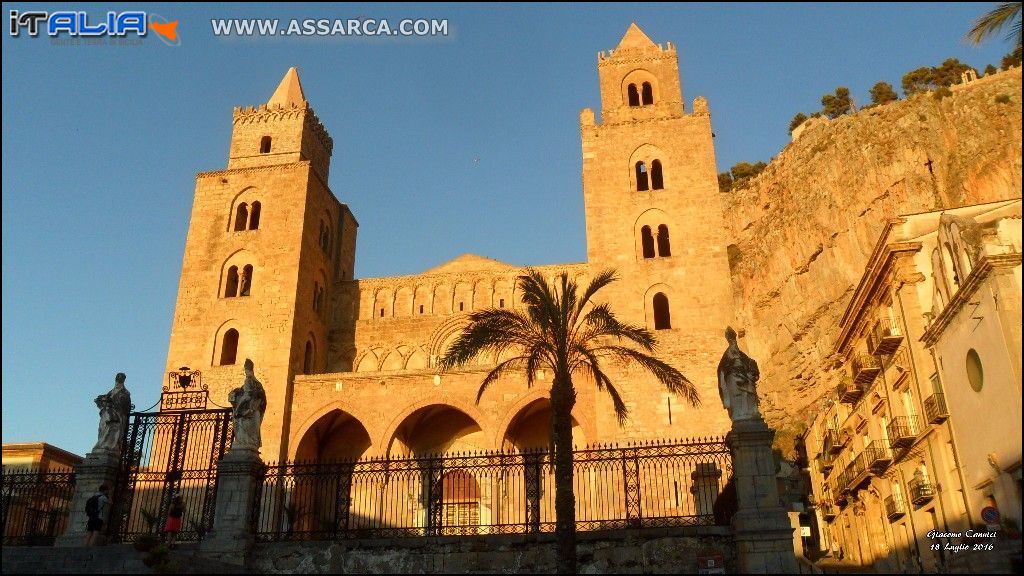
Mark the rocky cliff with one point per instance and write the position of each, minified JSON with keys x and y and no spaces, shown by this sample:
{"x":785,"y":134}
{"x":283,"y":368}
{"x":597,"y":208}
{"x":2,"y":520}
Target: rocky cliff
{"x":803,"y":228}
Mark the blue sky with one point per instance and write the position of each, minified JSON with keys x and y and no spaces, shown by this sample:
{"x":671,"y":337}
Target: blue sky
{"x":101,"y":145}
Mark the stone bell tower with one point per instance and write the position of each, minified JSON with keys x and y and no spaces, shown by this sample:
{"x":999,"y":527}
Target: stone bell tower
{"x":654,"y":215}
{"x":266,"y":241}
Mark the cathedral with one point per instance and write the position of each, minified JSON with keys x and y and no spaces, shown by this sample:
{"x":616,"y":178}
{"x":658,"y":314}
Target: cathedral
{"x":350,"y":364}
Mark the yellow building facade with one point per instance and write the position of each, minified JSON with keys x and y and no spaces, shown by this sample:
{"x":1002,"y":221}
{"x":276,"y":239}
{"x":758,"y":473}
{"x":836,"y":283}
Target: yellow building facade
{"x":899,"y":451}
{"x":350,"y":365}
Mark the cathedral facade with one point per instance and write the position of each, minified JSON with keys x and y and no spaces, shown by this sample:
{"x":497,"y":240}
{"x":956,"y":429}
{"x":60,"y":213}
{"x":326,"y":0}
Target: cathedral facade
{"x":350,"y":365}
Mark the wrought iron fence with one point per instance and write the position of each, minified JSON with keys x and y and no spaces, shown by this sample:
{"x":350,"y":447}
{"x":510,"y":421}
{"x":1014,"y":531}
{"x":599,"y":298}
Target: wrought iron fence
{"x":36,"y":505}
{"x":666,"y":484}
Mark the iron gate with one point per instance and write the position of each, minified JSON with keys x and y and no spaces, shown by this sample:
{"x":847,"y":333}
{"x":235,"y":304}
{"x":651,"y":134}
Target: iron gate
{"x":171,"y":452}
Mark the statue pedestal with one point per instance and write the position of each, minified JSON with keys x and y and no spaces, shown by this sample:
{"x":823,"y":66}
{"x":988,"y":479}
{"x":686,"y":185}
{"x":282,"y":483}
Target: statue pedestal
{"x":761,"y":527}
{"x":99,"y":467}
{"x":238,"y":476}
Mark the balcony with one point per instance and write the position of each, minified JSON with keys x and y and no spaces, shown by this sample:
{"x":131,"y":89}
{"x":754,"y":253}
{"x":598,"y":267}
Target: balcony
{"x":903,"y":431}
{"x":856,"y":474}
{"x":825,"y":463}
{"x":828,"y":510}
{"x":885,"y":337}
{"x":865,"y":368}
{"x":877,"y":457}
{"x":935,"y":408}
{"x":850,"y":392}
{"x":895,"y":507}
{"x":835,"y":440}
{"x":921,"y":491}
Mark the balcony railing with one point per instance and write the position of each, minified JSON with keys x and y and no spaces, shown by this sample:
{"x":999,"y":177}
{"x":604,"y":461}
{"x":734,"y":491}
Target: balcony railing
{"x":921,"y":491}
{"x":895,"y":507}
{"x":836,"y":440}
{"x":885,"y":337}
{"x":877,"y":457}
{"x":903,"y":431}
{"x":935,"y":408}
{"x":865,"y":369}
{"x":855,"y":473}
{"x":828,"y":510}
{"x":825,"y":462}
{"x":849,"y":391}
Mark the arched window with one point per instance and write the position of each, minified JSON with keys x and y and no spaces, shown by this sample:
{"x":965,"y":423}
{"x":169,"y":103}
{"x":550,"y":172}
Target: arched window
{"x":951,"y":266}
{"x":647,"y":94}
{"x":231,"y":286}
{"x":254,"y":216}
{"x":634,"y":96}
{"x":265,"y":145}
{"x":245,"y":280}
{"x":663,"y":246}
{"x":662,"y":321}
{"x":647,"y":242}
{"x":641,"y":177}
{"x":229,"y":348}
{"x":657,"y":182}
{"x":308,"y":358}
{"x":325,"y":237}
{"x":241,"y":217}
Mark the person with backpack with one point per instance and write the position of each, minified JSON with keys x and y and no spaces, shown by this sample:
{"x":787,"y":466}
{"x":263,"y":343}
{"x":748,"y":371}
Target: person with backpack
{"x":96,"y":510}
{"x":174,"y":517}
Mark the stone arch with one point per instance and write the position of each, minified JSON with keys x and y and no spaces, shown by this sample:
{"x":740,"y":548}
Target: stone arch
{"x":503,"y":294}
{"x":483,"y":290}
{"x":216,"y":348}
{"x":585,"y":423}
{"x":417,"y":360}
{"x":443,"y":335}
{"x":357,"y":412}
{"x":310,"y":355}
{"x":393,"y":361}
{"x":246,"y":196}
{"x":647,"y":153}
{"x":404,"y":297}
{"x":383,"y":303}
{"x":441,"y":300}
{"x":637,"y":77}
{"x":334,"y":435}
{"x":651,"y":218}
{"x":422,"y":300}
{"x":462,"y":297}
{"x":445,"y":405}
{"x":239,"y":259}
{"x":649,"y":312}
{"x":368,"y":362}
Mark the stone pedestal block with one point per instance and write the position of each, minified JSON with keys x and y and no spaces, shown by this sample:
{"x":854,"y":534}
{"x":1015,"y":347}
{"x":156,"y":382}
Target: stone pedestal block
{"x":99,"y":467}
{"x":761,"y":527}
{"x":238,"y":476}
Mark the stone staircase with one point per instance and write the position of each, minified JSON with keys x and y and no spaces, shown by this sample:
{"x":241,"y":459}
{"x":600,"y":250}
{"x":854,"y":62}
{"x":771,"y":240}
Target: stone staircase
{"x":112,"y":559}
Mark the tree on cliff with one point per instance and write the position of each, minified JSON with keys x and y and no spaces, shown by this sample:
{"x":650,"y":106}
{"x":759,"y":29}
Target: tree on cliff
{"x":918,"y":80}
{"x":991,"y":22}
{"x":949,"y":72}
{"x":797,"y":120}
{"x":567,"y":333}
{"x":882,"y":93}
{"x":837,"y":104}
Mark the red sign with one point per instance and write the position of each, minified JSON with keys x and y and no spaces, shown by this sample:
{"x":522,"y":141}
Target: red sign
{"x":711,"y":564}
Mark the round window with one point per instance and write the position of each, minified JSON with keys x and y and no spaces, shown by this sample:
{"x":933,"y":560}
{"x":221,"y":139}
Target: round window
{"x":975,"y":373}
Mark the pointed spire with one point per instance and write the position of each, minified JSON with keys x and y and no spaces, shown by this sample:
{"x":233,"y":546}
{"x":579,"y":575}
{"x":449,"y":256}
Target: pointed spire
{"x":289,"y":91}
{"x":635,"y":38}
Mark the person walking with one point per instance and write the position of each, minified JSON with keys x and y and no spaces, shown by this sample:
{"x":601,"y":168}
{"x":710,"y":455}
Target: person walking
{"x":174,"y":519}
{"x":96,"y":510}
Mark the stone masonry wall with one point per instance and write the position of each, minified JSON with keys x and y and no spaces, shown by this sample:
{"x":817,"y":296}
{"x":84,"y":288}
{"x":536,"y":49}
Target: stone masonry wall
{"x":664,"y":551}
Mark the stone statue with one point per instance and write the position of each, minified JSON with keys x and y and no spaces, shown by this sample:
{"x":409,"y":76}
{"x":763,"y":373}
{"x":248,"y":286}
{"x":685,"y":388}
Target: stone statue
{"x":737,"y":379}
{"x":248,"y":404}
{"x":114,"y":409}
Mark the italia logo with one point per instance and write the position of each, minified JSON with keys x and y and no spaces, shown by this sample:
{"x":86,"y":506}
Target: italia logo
{"x":80,"y":24}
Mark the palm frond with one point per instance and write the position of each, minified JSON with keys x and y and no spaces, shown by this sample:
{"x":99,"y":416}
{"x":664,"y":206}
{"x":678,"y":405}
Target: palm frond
{"x":592,"y":365}
{"x":601,"y":322}
{"x":497,"y":372}
{"x":991,"y":22}
{"x":669,"y":377}
{"x":487,"y":330}
{"x":602,"y":279}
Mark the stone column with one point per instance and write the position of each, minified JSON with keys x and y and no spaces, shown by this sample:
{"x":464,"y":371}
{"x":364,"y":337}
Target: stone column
{"x":99,"y":467}
{"x":761,"y":527}
{"x":239,"y":475}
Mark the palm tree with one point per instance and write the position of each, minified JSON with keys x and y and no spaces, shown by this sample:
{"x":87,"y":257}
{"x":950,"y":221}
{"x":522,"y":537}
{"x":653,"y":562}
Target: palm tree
{"x":995,"y":20}
{"x":562,"y":331}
